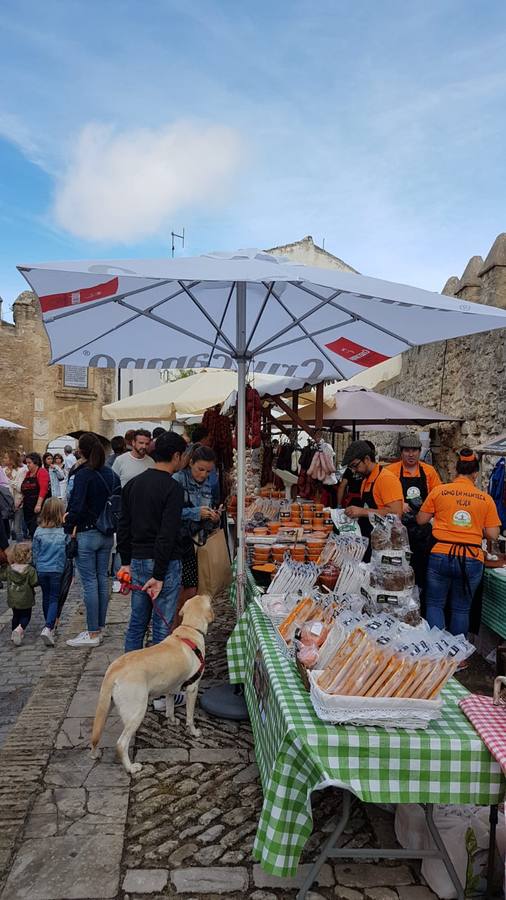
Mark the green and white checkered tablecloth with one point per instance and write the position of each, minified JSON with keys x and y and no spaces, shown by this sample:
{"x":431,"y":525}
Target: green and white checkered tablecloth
{"x":297,"y":753}
{"x":493,"y":611}
{"x":251,"y":589}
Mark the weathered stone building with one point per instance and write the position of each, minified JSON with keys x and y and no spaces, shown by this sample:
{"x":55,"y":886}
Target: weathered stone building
{"x":465,"y":377}
{"x":308,"y":253}
{"x":48,"y":400}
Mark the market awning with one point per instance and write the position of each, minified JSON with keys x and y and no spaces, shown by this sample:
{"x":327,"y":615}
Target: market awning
{"x":494,"y":447}
{"x":358,"y":406}
{"x":190,"y":395}
{"x":5,"y":425}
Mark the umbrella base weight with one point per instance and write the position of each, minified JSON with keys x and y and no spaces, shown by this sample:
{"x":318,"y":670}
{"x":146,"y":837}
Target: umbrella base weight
{"x":225,"y":701}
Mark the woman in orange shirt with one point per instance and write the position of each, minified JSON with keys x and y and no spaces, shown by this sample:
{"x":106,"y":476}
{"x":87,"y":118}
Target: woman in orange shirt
{"x":462,"y":515}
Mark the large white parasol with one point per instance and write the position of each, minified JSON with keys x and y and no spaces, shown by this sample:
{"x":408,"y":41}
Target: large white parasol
{"x":5,"y":425}
{"x":240,"y":310}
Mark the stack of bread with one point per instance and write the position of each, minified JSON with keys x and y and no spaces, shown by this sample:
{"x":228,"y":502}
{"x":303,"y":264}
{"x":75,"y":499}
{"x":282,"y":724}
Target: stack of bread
{"x":391,"y":586}
{"x":362,"y":668}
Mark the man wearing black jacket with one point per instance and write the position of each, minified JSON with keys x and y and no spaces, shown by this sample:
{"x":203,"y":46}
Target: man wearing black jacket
{"x":148,"y":541}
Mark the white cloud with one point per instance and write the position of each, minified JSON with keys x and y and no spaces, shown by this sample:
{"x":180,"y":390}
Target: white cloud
{"x":125,"y":186}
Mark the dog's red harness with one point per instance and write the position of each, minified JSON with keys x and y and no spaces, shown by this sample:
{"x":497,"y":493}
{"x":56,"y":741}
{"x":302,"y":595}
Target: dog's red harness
{"x":200,"y":657}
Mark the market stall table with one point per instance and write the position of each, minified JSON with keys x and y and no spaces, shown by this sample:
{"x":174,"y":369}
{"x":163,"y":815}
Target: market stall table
{"x":493,"y":612}
{"x":297,"y":754}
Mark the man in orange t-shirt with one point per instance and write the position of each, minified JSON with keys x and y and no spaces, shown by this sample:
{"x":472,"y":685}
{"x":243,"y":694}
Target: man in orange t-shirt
{"x":380,"y":490}
{"x":417,"y":478}
{"x":461,"y":516}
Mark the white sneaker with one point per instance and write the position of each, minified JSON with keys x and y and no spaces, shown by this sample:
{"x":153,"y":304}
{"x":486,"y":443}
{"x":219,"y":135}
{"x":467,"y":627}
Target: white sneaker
{"x":84,"y":640}
{"x":116,"y":586}
{"x":47,"y":636}
{"x":17,"y":636}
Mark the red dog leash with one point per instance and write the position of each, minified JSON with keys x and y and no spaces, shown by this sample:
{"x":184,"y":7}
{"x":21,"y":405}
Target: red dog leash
{"x":126,"y":587}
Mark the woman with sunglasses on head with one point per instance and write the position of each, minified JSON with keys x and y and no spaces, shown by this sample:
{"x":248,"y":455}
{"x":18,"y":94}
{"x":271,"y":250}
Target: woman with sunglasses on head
{"x":462,"y":516}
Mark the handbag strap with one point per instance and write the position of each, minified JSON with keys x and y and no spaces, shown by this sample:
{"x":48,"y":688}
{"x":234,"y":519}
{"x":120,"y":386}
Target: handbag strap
{"x":110,"y":491}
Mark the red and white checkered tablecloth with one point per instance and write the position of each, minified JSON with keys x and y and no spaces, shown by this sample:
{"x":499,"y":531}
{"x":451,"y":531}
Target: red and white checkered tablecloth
{"x":490,"y":723}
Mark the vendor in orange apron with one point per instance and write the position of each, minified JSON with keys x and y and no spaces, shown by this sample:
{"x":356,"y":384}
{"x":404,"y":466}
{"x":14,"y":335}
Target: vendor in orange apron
{"x":417,"y":480}
{"x":381,"y":490}
{"x":461,"y":516}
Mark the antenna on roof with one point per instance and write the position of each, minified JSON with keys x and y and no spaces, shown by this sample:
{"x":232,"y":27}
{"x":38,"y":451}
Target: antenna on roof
{"x":323,"y":244}
{"x":181,"y":238}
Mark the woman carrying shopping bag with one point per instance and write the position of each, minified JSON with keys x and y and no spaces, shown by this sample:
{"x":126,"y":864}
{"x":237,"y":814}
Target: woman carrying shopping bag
{"x":201,"y":528}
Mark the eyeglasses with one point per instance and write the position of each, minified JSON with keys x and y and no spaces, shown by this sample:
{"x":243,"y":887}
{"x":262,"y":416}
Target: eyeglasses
{"x":354,"y":465}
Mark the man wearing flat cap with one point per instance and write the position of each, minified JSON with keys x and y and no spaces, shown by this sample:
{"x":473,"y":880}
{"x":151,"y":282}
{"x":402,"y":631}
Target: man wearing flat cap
{"x":380,"y":490}
{"x":417,"y":478}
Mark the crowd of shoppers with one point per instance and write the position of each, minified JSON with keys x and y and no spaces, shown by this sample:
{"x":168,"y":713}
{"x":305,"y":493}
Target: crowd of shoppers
{"x":159,"y":498}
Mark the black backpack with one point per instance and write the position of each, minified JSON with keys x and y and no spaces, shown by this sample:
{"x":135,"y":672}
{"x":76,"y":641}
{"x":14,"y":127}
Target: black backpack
{"x":107,"y":522}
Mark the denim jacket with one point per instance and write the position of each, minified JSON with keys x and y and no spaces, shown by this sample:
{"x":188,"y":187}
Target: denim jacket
{"x":49,"y":549}
{"x":195,"y":494}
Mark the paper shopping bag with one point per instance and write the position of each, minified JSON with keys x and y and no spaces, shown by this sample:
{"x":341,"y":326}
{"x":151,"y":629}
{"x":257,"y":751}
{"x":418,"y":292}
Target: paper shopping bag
{"x":215,"y":571}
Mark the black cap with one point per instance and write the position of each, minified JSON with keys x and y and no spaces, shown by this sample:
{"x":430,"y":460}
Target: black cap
{"x":357,"y":450}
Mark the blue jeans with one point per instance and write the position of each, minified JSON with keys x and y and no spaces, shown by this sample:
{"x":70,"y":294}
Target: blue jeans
{"x":50,"y":583}
{"x":142,"y":570}
{"x":94,"y":551}
{"x":444,"y":581}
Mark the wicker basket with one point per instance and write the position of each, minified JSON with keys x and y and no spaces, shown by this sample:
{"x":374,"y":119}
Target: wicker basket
{"x":388,"y":712}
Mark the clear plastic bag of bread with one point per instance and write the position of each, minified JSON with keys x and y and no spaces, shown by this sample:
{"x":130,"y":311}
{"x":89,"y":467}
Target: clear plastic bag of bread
{"x":390,"y":578}
{"x":388,"y":533}
{"x":402,"y":605}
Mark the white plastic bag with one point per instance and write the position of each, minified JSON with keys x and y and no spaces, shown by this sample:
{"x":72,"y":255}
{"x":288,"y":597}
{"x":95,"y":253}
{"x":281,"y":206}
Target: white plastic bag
{"x":465,"y":833}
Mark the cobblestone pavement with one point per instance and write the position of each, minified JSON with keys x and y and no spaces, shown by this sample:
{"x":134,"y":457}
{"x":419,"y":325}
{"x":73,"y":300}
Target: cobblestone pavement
{"x":20,"y":668}
{"x":72,"y":827}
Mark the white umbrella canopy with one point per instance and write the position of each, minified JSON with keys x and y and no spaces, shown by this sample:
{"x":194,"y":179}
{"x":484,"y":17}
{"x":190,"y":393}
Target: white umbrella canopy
{"x":243,"y":309}
{"x":5,"y":425}
{"x":299,"y":321}
{"x":184,"y":396}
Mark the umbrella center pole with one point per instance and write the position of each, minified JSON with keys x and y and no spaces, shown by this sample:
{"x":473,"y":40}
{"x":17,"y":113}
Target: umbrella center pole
{"x":242,"y":364}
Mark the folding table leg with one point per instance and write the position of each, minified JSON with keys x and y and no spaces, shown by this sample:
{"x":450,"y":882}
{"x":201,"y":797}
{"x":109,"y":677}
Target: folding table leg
{"x":436,"y":837}
{"x":491,"y":850}
{"x":327,"y":847}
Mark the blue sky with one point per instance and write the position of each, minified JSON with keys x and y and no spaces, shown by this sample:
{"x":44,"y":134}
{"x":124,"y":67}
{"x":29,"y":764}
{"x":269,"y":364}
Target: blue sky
{"x":377,"y":126}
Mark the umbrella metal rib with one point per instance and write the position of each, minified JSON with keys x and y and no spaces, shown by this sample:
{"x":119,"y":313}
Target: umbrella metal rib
{"x":296,"y":319}
{"x":138,"y":315}
{"x":311,"y":334}
{"x":357,"y":316}
{"x":58,"y":359}
{"x":158,"y":319}
{"x":87,"y":306}
{"x":209,"y":318}
{"x":302,"y":328}
{"x":224,"y":313}
{"x":270,"y":288}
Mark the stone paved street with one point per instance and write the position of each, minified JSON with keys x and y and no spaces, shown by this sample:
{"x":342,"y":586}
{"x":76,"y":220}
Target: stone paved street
{"x":20,"y":669}
{"x":72,"y":827}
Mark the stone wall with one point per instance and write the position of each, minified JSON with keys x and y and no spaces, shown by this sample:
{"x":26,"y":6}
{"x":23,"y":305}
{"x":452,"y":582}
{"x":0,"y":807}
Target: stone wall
{"x":464,"y":377}
{"x":33,"y":393}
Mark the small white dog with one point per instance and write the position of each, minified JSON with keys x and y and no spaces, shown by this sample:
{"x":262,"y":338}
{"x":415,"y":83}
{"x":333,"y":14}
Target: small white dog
{"x":165,"y":668}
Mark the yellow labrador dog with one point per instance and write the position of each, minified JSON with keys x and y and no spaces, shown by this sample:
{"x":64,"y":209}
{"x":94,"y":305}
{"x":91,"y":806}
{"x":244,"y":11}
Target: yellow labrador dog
{"x":165,"y":668}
